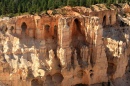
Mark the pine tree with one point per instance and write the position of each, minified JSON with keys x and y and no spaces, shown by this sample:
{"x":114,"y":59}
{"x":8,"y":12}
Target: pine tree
{"x":50,"y":4}
{"x":81,"y":2}
{"x":3,"y":10}
{"x":64,"y":2}
{"x":68,"y":2}
{"x":19,"y":9}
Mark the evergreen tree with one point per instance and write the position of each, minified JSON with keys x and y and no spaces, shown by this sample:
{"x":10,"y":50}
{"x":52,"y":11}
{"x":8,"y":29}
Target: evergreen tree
{"x":19,"y":9}
{"x":68,"y":2}
{"x":81,"y":2}
{"x":33,"y":6}
{"x":50,"y":4}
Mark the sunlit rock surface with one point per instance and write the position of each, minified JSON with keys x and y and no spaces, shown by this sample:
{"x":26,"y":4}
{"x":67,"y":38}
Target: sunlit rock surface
{"x":76,"y":46}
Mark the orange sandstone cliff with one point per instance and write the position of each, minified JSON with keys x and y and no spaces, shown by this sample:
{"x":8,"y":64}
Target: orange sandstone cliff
{"x":71,"y":46}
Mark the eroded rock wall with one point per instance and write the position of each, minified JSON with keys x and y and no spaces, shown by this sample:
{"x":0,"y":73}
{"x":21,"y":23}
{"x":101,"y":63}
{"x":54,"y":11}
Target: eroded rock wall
{"x":64,"y":50}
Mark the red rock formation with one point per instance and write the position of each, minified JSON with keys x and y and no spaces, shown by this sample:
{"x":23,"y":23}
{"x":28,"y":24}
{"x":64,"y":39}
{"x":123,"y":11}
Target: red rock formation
{"x":76,"y":46}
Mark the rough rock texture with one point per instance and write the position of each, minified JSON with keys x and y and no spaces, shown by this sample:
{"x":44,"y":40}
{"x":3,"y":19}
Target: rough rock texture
{"x":76,"y":46}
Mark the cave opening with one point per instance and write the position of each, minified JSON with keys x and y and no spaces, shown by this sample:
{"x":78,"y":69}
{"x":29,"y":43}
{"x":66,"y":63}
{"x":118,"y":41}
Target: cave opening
{"x":55,"y":31}
{"x":78,"y":37}
{"x":24,"y":27}
{"x":47,"y":27}
{"x":57,"y":78}
{"x":36,"y":82}
{"x":48,"y":81}
{"x":78,"y":26}
{"x":104,"y":21}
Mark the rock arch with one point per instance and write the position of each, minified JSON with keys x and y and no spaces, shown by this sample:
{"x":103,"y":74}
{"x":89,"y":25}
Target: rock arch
{"x":76,"y":28}
{"x":110,"y":20}
{"x":47,"y":28}
{"x":56,"y":31}
{"x":78,"y":25}
{"x":104,"y":21}
{"x":78,"y":38}
{"x":24,"y":27}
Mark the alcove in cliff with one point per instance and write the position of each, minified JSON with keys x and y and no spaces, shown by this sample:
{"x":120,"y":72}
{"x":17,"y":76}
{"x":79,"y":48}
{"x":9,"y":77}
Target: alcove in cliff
{"x":110,"y":19}
{"x":104,"y":21}
{"x":78,"y":37}
{"x":24,"y":27}
{"x":47,"y":27}
{"x":36,"y":82}
{"x":55,"y":31}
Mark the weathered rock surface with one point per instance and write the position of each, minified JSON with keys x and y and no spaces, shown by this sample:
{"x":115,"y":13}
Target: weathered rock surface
{"x":77,"y":46}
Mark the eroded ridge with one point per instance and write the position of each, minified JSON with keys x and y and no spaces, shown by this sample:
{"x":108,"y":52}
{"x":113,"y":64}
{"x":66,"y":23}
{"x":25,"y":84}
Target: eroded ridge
{"x":81,"y":47}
